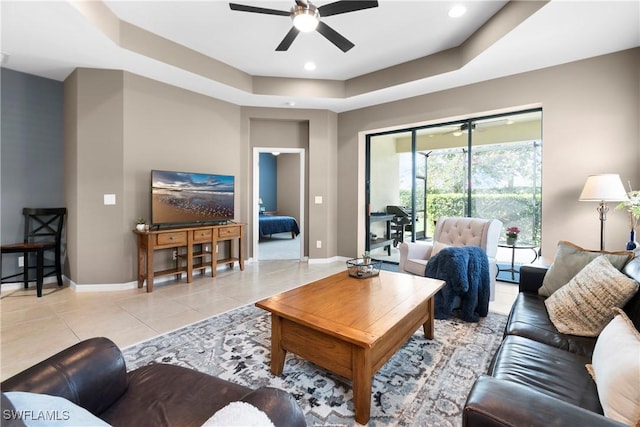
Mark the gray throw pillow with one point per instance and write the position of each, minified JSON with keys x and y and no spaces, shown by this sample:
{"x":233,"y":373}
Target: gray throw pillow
{"x":570,"y":259}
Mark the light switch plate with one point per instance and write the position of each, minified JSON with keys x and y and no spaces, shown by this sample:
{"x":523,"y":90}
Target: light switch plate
{"x":318,"y":200}
{"x":109,"y":199}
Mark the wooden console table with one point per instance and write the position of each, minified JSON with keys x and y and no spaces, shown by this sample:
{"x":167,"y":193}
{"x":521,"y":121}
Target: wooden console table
{"x":195,"y":249}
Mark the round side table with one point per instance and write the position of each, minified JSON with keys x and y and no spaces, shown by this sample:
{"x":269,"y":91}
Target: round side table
{"x":513,"y":248}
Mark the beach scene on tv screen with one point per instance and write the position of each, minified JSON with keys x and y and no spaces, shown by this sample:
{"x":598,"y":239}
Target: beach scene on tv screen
{"x":180,"y":197}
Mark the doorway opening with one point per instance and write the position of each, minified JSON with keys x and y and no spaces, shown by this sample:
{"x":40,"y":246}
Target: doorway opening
{"x":278,"y":198}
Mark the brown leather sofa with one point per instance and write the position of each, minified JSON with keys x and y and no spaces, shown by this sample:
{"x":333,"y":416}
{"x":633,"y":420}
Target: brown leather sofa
{"x":92,"y":374}
{"x":538,"y":375}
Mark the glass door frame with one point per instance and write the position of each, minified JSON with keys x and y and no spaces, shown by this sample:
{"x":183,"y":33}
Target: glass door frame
{"x":469,"y":123}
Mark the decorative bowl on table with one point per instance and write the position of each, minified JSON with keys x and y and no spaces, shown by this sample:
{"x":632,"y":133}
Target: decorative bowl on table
{"x":361,"y":268}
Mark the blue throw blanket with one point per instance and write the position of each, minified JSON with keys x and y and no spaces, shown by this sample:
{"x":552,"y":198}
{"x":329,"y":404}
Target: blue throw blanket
{"x":466,"y":271}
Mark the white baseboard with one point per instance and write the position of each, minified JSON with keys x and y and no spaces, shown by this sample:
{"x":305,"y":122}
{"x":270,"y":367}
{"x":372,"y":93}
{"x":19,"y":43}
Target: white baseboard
{"x":107,"y":287}
{"x":12,"y":286}
{"x":104,"y":287}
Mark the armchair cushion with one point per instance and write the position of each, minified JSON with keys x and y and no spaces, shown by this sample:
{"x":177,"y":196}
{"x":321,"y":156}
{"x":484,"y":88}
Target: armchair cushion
{"x":437,"y":247}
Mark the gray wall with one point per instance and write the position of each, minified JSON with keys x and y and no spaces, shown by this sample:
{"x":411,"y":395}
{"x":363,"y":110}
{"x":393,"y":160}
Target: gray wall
{"x":119,"y":126}
{"x":31,"y":152}
{"x":268,"y":164}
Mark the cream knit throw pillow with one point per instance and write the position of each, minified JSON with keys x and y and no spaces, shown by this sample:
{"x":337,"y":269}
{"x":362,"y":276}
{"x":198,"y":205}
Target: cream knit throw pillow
{"x":585,"y":305}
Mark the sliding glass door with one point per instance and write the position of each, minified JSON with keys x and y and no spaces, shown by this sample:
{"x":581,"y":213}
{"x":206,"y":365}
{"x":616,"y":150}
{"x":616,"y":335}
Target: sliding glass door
{"x":488,"y":167}
{"x":506,"y":171}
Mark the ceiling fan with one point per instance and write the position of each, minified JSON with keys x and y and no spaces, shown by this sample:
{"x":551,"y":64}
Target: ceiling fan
{"x":307,"y":17}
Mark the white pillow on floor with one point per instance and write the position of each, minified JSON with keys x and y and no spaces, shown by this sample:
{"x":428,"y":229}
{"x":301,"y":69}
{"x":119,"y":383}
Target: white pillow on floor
{"x":239,"y":414}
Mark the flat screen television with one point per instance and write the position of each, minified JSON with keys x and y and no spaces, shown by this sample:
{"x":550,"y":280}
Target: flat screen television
{"x":191,"y":198}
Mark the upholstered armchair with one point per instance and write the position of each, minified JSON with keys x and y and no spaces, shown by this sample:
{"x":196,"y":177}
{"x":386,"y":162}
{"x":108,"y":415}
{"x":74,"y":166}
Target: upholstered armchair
{"x":453,"y":231}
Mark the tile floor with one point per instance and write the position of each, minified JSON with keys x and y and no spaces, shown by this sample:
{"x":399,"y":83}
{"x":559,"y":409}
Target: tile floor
{"x":33,"y":328}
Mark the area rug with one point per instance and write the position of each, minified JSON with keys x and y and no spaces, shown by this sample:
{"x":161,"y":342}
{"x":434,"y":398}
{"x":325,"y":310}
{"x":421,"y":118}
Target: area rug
{"x":425,"y":383}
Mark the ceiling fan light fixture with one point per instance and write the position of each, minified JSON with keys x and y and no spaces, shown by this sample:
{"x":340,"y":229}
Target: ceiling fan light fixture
{"x":305,"y":19}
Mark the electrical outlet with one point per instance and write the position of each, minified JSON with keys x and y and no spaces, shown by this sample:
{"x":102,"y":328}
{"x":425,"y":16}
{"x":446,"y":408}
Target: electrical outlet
{"x":318,"y":244}
{"x":175,"y":255}
{"x":20,"y":261}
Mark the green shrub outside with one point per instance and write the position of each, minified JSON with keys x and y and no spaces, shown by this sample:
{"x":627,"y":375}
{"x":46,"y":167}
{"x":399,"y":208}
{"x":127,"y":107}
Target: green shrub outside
{"x":513,"y":209}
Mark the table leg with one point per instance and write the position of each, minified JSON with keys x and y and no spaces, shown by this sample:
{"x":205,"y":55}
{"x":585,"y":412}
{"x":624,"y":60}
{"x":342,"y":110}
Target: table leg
{"x":25,"y":269}
{"x":277,"y":352}
{"x":214,"y":258}
{"x":535,"y":255}
{"x":513,"y":258}
{"x":141,"y":271}
{"x":240,"y":259}
{"x":362,"y":380}
{"x":429,"y":325}
{"x":149,"y":269}
{"x":39,"y":271}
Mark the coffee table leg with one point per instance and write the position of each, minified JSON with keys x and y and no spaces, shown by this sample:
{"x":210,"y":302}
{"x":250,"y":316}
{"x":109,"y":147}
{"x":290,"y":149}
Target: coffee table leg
{"x":428,"y":326}
{"x":277,"y":352}
{"x":362,"y":380}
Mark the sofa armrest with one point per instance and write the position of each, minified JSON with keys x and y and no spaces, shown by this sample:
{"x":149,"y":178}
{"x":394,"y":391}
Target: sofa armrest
{"x":91,"y":374}
{"x":280,"y":406}
{"x":494,"y":402}
{"x":531,"y":277}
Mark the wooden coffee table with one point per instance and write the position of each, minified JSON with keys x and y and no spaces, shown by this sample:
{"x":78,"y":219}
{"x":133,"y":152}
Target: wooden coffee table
{"x":351,"y":326}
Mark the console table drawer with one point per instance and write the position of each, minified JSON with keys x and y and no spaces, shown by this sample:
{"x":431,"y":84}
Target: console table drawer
{"x":177,"y":238}
{"x":202,"y":235}
{"x":228,"y":232}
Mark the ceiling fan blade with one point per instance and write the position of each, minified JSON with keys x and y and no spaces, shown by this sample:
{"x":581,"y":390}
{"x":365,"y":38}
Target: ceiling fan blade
{"x":245,"y":8}
{"x":334,"y":37}
{"x":288,"y":39}
{"x":344,"y":6}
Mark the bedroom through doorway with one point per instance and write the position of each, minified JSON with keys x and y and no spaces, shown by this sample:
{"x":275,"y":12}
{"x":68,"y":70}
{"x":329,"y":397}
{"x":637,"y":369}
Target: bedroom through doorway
{"x":279,"y":198}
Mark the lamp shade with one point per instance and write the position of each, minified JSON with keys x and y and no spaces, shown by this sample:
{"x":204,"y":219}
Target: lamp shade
{"x":603,"y":188}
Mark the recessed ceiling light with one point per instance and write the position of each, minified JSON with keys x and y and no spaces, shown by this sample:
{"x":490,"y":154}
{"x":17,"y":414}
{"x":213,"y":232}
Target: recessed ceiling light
{"x":309,"y":66}
{"x":457,"y":11}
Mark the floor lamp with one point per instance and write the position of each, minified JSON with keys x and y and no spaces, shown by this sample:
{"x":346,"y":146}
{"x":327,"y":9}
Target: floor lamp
{"x":603,"y":188}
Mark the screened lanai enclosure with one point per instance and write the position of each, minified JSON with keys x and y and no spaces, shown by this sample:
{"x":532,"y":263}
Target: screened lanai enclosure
{"x":487,"y":167}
